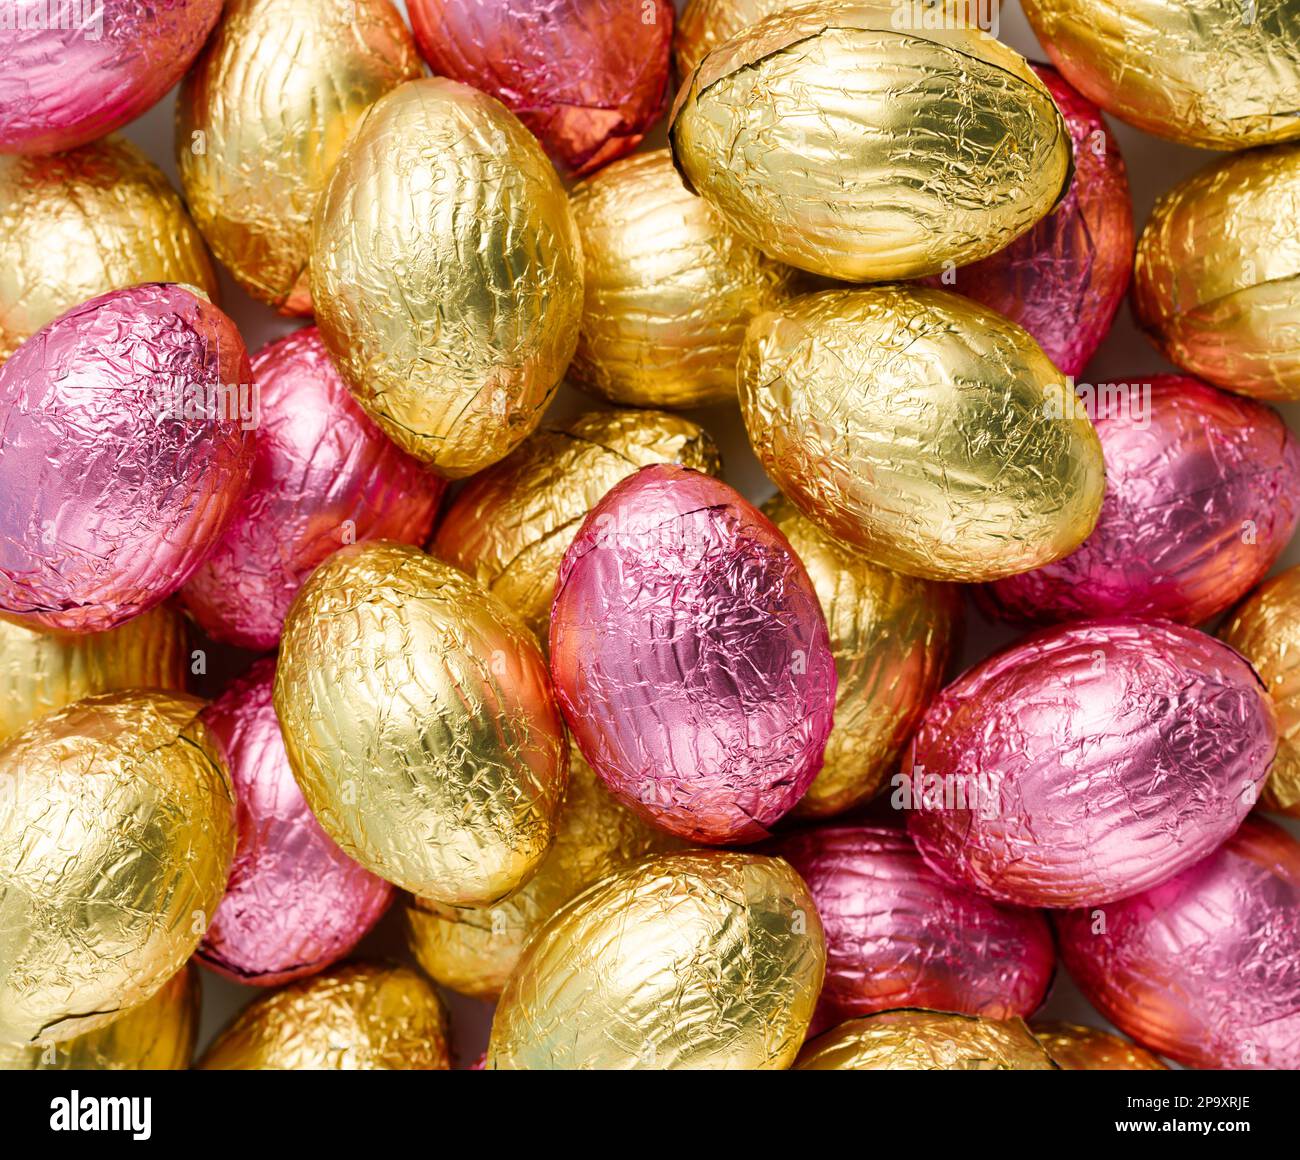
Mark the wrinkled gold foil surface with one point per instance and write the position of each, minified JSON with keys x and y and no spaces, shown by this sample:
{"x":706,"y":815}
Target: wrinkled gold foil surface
{"x":1077,"y":1048}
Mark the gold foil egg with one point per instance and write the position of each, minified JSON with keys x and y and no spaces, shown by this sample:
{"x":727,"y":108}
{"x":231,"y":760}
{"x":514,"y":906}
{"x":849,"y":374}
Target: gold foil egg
{"x":670,"y":288}
{"x":1220,"y":74}
{"x":446,"y":274}
{"x":117,"y":829}
{"x":358,"y":1017}
{"x":419,"y":720}
{"x":705,"y":960}
{"x":79,"y":224}
{"x":892,"y":636}
{"x":262,"y":118}
{"x":1216,"y":284}
{"x":923,"y":429}
{"x":838,"y":142}
{"x":509,"y":527}
{"x":1077,"y":1048}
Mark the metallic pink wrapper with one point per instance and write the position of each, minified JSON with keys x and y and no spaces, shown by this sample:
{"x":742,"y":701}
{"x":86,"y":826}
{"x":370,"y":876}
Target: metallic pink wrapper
{"x":124,"y":425}
{"x":1202,"y":496}
{"x":295,"y":902}
{"x":72,"y":71}
{"x":1088,"y":762}
{"x":1206,"y":967}
{"x":588,"y":77}
{"x":323,"y":476}
{"x":690,"y":657}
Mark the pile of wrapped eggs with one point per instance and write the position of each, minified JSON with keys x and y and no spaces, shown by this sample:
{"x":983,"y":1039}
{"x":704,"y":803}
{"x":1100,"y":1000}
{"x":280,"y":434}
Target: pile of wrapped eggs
{"x":359,"y":633}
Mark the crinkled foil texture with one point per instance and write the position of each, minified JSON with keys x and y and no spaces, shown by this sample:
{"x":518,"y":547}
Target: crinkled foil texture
{"x":691,"y":658}
{"x":82,"y":223}
{"x":295,"y":903}
{"x":1202,"y":496}
{"x":894,"y":153}
{"x":1096,"y":760}
{"x":89,"y":69}
{"x":1077,"y":1048}
{"x":418,"y":717}
{"x":670,"y":289}
{"x":122,"y":464}
{"x":447,"y":274}
{"x":323,"y":476}
{"x":509,"y":526}
{"x":1216,"y":285}
{"x":705,"y":960}
{"x":117,"y":829}
{"x":359,"y":1017}
{"x":918,"y":426}
{"x":1204,"y":969}
{"x":1212,"y":74}
{"x":262,"y":119}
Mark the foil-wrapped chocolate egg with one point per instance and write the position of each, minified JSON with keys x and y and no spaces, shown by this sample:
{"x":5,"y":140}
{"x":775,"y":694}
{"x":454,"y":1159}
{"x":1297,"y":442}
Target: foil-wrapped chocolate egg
{"x":446,"y":274}
{"x":1216,"y":284}
{"x":1077,"y":1048}
{"x":72,"y":71}
{"x":358,"y":1017}
{"x":691,"y":658}
{"x":588,"y":77}
{"x":419,"y":720}
{"x":704,"y":960}
{"x":509,"y":526}
{"x":117,"y":829}
{"x":923,"y":429}
{"x":838,"y":142}
{"x":1202,"y":496}
{"x":670,"y":289}
{"x":1088,"y":762}
{"x":1205,"y":968}
{"x":1213,"y":74}
{"x":126,"y":448}
{"x":81,"y":223}
{"x":262,"y":118}
{"x":323,"y":476}
{"x":295,"y":903}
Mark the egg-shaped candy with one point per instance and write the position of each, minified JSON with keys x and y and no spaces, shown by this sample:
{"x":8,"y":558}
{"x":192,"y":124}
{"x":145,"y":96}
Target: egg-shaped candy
{"x":690,"y":657}
{"x":1077,"y":1048}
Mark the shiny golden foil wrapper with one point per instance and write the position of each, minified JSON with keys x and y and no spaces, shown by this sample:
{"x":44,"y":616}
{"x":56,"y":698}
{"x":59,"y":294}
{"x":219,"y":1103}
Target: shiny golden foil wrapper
{"x":1220,"y":74}
{"x":1077,"y":1048}
{"x":509,"y":527}
{"x":117,"y":829}
{"x":1216,"y":283}
{"x":892,"y":636}
{"x":358,"y":1017}
{"x":670,"y":288}
{"x":923,"y":429}
{"x":839,"y":143}
{"x":82,"y":223}
{"x":704,"y":960}
{"x":447,"y":274}
{"x":419,"y":720}
{"x":915,"y":1040}
{"x":262,"y":118}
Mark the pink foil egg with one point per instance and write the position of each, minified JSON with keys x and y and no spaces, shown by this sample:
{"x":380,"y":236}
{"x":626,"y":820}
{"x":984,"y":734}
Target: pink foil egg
{"x":690,"y":656}
{"x":1088,"y":762}
{"x":295,"y":902}
{"x":323,"y":476}
{"x":1202,"y":496}
{"x":72,"y":71}
{"x":125,"y":428}
{"x":1204,"y":968}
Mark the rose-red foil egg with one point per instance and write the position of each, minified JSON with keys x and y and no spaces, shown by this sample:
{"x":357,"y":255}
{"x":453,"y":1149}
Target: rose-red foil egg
{"x":323,"y":476}
{"x":1205,"y":968}
{"x":690,"y":656}
{"x":75,"y":70}
{"x":1088,"y":762}
{"x":588,"y":77}
{"x":1202,"y":496}
{"x":125,"y":425}
{"x":295,"y":903}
